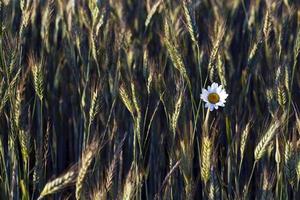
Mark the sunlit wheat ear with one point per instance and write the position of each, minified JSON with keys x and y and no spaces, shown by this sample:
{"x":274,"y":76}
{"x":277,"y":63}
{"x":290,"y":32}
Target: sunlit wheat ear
{"x":130,"y":185}
{"x":267,"y":24}
{"x":13,"y":61}
{"x":152,"y":11}
{"x":100,"y":192}
{"x":281,"y":92}
{"x":174,"y":54}
{"x":24,"y":140}
{"x":175,"y":114}
{"x":86,"y":160}
{"x":26,"y":14}
{"x":287,"y":78}
{"x":252,"y":54}
{"x":136,"y":101}
{"x":58,"y":183}
{"x":221,"y":70}
{"x":281,"y":95}
{"x":244,"y":138}
{"x":17,"y":108}
{"x":95,"y":105}
{"x":38,"y":76}
{"x":263,"y":144}
{"x":290,"y":159}
{"x":190,"y":20}
{"x":126,"y":98}
{"x":4,"y":98}
{"x":45,"y":24}
{"x":206,"y":153}
{"x":216,"y":43}
{"x":150,"y":81}
{"x":109,"y":176}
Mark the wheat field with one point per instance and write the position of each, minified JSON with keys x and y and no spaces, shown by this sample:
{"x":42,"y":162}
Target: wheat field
{"x":149,"y":99}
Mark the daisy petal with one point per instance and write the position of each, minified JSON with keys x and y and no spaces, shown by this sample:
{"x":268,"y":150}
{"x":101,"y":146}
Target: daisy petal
{"x":214,"y":85}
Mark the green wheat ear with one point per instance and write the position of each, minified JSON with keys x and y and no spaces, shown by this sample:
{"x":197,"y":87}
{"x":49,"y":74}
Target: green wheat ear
{"x":38,"y":76}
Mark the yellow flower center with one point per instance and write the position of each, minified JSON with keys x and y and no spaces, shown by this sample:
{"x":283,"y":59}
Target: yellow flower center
{"x":213,"y":98}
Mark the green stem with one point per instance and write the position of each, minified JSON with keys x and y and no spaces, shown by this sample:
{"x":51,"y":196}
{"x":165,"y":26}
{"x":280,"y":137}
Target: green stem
{"x":252,"y":172}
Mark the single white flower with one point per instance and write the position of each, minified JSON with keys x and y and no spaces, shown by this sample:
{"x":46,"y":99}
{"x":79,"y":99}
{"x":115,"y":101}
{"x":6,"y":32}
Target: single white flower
{"x":214,"y":96}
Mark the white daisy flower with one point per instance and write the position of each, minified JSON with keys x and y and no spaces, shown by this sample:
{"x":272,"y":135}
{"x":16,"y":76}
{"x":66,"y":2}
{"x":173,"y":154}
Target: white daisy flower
{"x":214,"y":96}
